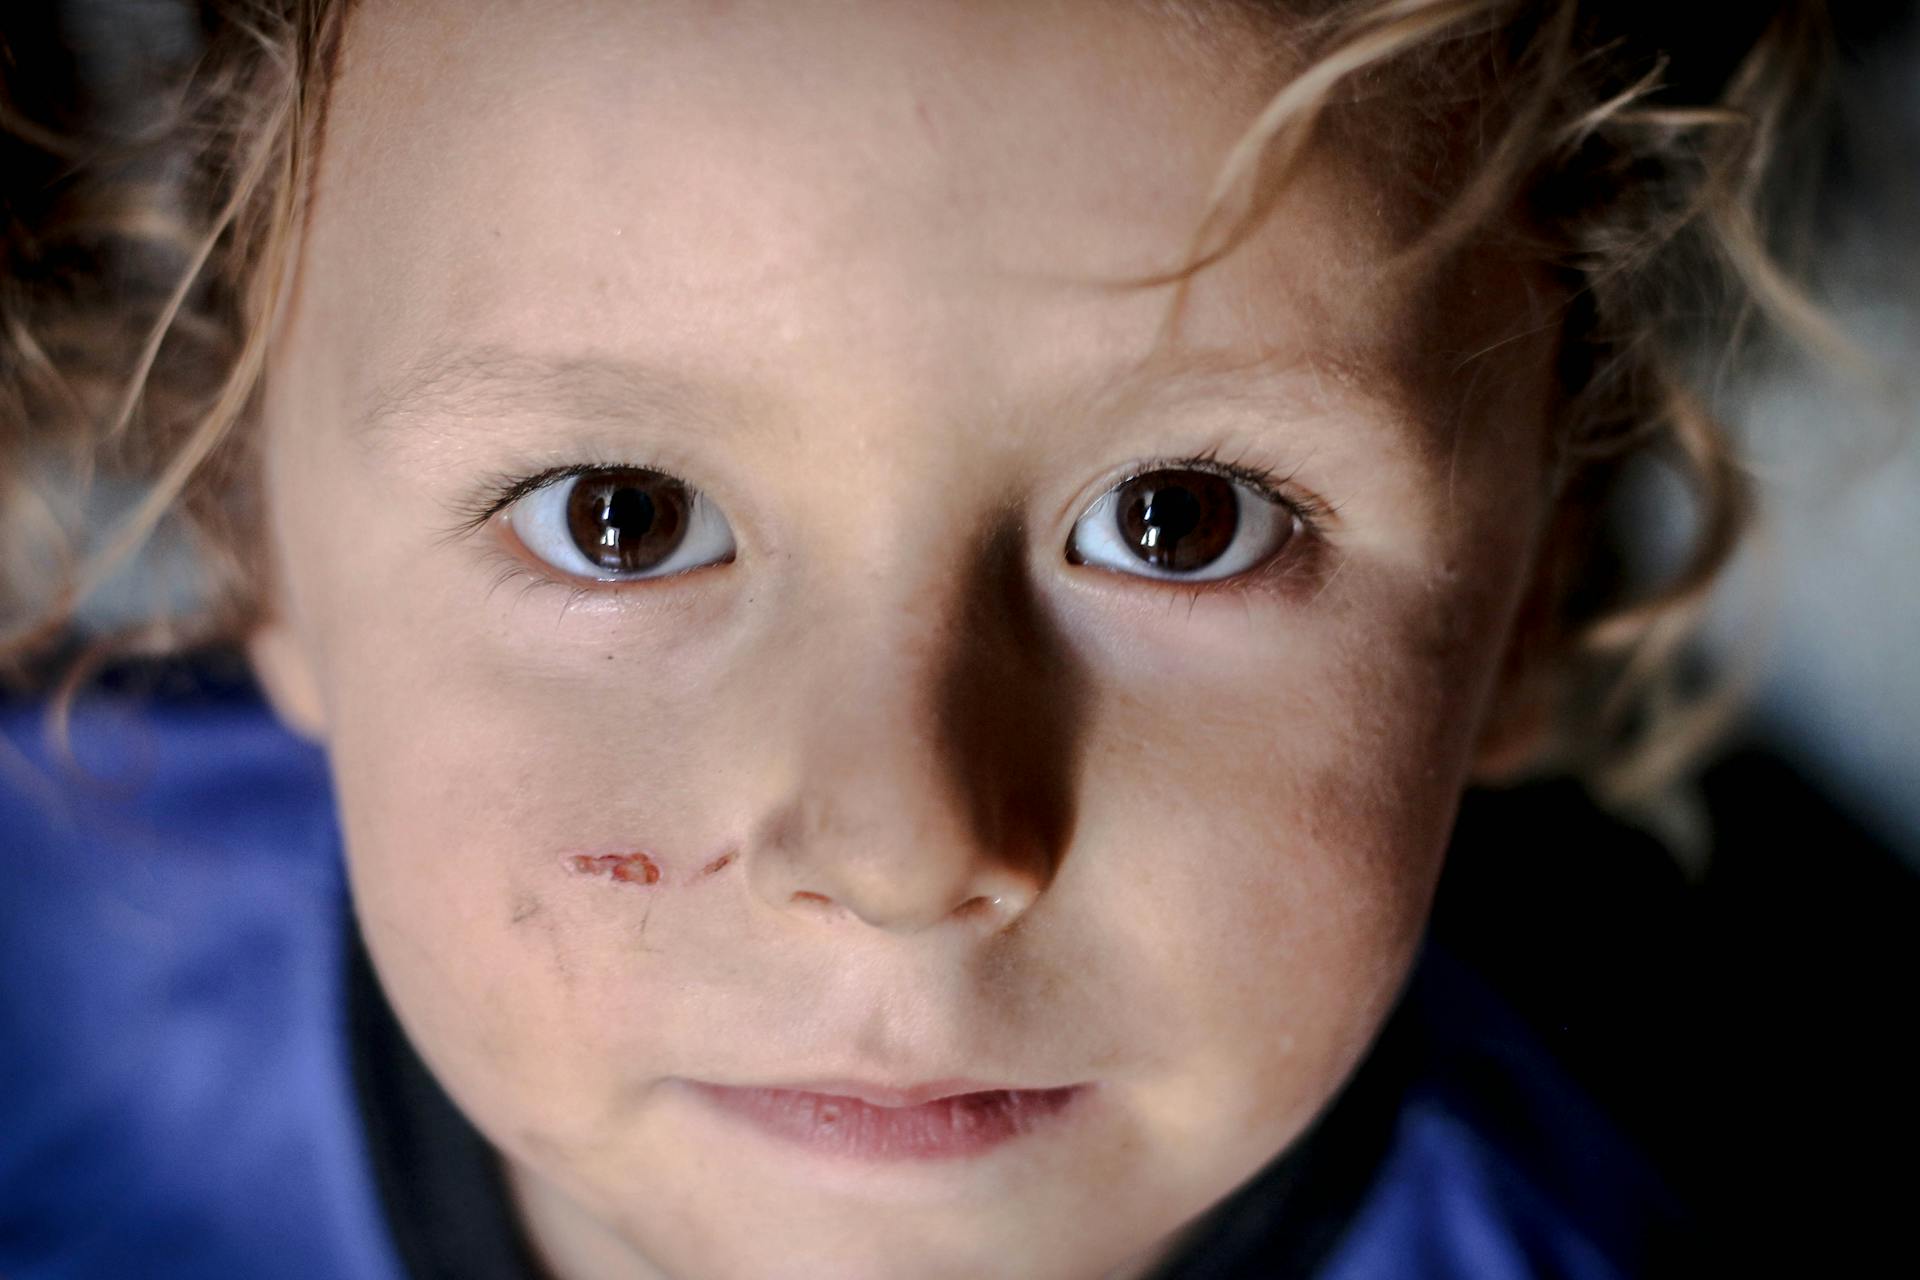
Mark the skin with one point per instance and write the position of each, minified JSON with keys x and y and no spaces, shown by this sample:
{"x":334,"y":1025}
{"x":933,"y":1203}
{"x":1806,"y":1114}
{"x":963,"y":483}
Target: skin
{"x":977,"y":810}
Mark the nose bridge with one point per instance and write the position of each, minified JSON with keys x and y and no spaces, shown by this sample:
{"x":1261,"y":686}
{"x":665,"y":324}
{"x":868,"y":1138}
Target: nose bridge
{"x":932,"y":748}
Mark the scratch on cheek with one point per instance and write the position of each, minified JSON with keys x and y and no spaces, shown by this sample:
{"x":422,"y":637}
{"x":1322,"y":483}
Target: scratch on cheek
{"x":622,"y":868}
{"x":716,"y":865}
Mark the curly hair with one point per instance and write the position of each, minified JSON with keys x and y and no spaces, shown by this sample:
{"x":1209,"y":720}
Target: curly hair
{"x":145,"y":252}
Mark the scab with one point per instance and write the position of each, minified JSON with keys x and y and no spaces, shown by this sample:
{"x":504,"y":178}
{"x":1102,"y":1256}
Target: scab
{"x":623,"y":868}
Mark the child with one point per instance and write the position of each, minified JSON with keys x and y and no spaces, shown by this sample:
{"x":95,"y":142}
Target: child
{"x":896,"y":599}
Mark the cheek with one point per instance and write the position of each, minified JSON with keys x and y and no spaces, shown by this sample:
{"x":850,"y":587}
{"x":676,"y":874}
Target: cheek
{"x":1305,"y":807}
{"x":1261,"y":830}
{"x":522,"y":845}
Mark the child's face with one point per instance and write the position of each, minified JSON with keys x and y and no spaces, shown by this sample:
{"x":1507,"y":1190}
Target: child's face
{"x":928,"y":796}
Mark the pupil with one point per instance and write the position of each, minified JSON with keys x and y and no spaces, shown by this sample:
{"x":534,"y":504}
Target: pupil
{"x":1178,"y":520}
{"x":627,"y":521}
{"x":629,"y":512}
{"x":1175,"y":513}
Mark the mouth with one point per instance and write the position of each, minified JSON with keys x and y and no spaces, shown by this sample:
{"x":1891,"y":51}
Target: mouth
{"x":943,"y":1119}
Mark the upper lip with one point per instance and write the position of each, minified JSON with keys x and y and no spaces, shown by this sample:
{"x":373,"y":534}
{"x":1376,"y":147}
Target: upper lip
{"x":882,"y":1095}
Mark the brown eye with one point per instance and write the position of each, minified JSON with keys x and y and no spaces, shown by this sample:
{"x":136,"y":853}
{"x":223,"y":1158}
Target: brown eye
{"x":627,"y":521}
{"x":1182,"y":524}
{"x":1177,"y":520}
{"x":613,"y":523}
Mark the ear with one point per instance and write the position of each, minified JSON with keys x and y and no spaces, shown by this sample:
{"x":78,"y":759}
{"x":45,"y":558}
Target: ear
{"x":1517,"y":731}
{"x":286,"y":674}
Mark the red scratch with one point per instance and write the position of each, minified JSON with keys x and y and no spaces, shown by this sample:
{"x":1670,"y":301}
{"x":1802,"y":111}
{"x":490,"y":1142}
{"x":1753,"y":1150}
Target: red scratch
{"x":716,"y":864}
{"x":626,"y":868}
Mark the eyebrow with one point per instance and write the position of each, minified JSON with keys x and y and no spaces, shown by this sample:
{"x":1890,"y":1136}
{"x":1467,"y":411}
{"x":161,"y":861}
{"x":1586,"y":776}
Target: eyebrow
{"x":490,"y":382}
{"x":493,"y":384}
{"x":1299,"y":385}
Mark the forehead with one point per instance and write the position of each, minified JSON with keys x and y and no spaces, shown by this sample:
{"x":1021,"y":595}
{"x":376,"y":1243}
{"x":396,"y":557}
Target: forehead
{"x":751,"y":191}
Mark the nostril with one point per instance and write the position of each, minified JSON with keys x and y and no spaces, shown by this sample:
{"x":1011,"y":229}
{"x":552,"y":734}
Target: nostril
{"x":980,"y":905}
{"x":997,"y":912}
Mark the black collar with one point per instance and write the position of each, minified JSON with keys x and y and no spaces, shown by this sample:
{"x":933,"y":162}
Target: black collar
{"x":451,"y":1217}
{"x":442,"y":1186}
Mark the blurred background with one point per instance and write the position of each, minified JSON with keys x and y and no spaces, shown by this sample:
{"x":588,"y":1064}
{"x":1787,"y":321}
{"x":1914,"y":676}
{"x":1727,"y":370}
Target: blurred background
{"x":1825,"y":606}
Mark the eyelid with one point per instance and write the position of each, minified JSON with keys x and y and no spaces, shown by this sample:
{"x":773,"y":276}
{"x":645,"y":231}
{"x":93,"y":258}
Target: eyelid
{"x":1316,"y":514}
{"x":1281,"y":490}
{"x":504,"y":489}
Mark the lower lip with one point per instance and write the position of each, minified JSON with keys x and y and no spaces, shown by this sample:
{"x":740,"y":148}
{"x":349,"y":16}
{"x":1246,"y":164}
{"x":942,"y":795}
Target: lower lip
{"x":947,"y":1128}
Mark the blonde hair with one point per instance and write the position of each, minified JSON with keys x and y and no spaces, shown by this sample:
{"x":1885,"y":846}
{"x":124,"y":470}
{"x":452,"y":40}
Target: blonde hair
{"x":141,"y":285}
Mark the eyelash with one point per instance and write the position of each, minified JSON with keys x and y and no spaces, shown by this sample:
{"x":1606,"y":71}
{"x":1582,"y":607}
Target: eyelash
{"x":501,"y":492}
{"x":1308,"y":510}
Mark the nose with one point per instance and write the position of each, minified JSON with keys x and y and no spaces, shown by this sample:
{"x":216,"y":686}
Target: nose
{"x":929,"y":750}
